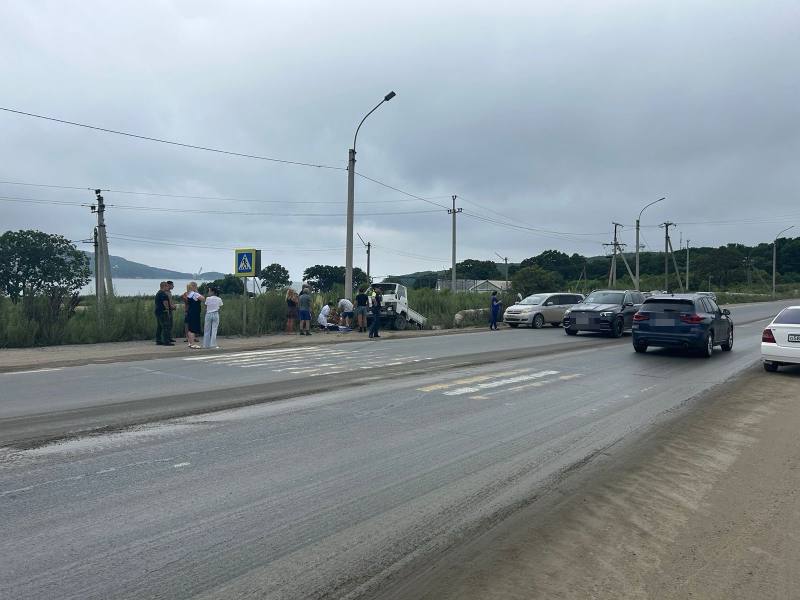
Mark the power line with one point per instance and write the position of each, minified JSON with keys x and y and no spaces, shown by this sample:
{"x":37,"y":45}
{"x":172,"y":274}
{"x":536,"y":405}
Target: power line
{"x":215,"y":198}
{"x":190,"y":244}
{"x":171,"y":142}
{"x":405,"y":193}
{"x":541,"y":232}
{"x":205,"y":211}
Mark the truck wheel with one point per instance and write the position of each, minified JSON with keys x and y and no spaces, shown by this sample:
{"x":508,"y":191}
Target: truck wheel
{"x":538,"y":322}
{"x":399,"y":322}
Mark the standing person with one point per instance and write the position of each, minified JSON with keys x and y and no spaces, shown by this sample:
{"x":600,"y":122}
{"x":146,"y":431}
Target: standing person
{"x":304,"y":304}
{"x":162,"y":315}
{"x":377,"y":299}
{"x":170,"y":287}
{"x":494,"y":311}
{"x":291,"y":310}
{"x":345,"y":308}
{"x":362,"y":306}
{"x":193,"y":299}
{"x":213,"y":304}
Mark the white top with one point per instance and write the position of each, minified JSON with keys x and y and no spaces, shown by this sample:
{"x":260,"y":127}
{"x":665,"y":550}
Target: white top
{"x":213,"y":303}
{"x":345,"y":305}
{"x":322,"y":319}
{"x":193,"y":295}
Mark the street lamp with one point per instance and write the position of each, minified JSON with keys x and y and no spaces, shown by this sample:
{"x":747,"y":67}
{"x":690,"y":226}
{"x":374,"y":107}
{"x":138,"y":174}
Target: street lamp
{"x":637,"y":237}
{"x":351,"y":174}
{"x":775,"y":257}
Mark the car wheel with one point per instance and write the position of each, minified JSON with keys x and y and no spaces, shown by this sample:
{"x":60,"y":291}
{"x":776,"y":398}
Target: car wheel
{"x":513,"y":325}
{"x":569,"y":331}
{"x":617,"y":328}
{"x":708,"y":347}
{"x":770,"y":367}
{"x":538,"y":322}
{"x":640,"y":347}
{"x":727,"y":345}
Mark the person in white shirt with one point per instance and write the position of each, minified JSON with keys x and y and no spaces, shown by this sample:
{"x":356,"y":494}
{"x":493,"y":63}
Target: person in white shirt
{"x":213,"y":304}
{"x":322,"y":319}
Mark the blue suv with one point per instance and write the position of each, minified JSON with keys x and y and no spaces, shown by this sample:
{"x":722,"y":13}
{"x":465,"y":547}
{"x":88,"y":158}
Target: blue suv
{"x":690,"y":321}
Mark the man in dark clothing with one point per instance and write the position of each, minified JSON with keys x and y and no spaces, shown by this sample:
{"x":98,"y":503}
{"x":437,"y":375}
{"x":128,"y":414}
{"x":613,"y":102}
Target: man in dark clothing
{"x":494,"y":313}
{"x":162,"y":315}
{"x":362,"y":306}
{"x":377,"y":299}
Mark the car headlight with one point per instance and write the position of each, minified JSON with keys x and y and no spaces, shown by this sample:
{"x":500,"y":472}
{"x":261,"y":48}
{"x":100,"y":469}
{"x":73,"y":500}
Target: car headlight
{"x":606,"y":314}
{"x":566,"y":312}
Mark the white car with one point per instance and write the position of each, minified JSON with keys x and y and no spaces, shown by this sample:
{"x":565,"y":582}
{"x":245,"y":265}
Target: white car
{"x":780,"y":342}
{"x":538,"y":309}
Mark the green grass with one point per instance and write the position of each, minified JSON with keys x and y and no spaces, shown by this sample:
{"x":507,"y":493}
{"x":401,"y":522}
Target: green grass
{"x":132,"y":318}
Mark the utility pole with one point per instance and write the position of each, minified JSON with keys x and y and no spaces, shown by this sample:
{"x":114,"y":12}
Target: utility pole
{"x":102,"y":273}
{"x":687,"y":263}
{"x":775,"y":257}
{"x":454,"y":212}
{"x":667,"y":252}
{"x":505,"y":259}
{"x":368,"y":246}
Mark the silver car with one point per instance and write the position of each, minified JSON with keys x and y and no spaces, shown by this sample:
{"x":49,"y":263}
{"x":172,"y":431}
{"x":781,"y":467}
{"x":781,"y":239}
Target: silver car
{"x":538,"y":309}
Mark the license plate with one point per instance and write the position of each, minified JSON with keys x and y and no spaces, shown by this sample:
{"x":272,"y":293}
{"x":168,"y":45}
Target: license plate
{"x":583,"y":320}
{"x":664,"y":323}
{"x":794,"y":337}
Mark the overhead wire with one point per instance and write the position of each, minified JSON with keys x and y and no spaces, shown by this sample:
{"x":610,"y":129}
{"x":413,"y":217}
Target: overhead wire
{"x":172,"y":142}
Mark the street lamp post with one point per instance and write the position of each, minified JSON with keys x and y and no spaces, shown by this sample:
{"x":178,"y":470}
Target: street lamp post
{"x":351,"y":174}
{"x":775,"y":257}
{"x":637,"y":238}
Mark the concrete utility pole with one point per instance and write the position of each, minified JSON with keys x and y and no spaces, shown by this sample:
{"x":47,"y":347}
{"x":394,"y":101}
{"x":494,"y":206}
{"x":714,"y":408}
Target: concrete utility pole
{"x":671,"y":252}
{"x":454,"y":212}
{"x":667,"y":244}
{"x":687,"y":263}
{"x":504,"y":259}
{"x":351,"y":184}
{"x":368,"y":246}
{"x":637,"y":238}
{"x":775,"y":257}
{"x":102,"y":262}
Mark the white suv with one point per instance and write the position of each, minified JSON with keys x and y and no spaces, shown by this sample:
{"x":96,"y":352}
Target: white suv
{"x":538,"y":309}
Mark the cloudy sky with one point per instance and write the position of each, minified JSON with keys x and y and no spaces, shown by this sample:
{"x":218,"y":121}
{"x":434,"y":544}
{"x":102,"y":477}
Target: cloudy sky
{"x":549,"y":120}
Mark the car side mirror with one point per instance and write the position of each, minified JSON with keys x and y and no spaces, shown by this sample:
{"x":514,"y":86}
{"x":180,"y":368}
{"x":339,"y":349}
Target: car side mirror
{"x":627,"y":304}
{"x":548,"y":304}
{"x":726,"y":312}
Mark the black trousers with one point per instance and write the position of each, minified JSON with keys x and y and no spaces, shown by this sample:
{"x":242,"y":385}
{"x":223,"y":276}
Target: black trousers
{"x":375,"y":325}
{"x":163,"y":327}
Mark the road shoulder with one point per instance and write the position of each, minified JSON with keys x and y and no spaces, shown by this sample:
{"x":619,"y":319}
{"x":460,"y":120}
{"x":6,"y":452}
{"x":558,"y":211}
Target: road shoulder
{"x":703,"y":506}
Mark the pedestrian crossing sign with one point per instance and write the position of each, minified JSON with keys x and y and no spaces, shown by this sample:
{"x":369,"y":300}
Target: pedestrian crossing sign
{"x":248,"y":262}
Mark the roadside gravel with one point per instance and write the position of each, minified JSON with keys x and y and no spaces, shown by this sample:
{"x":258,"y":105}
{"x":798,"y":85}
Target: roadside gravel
{"x":705,"y":506}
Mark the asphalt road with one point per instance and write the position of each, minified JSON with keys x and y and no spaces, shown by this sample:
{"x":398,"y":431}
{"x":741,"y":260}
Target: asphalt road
{"x":322,"y":495}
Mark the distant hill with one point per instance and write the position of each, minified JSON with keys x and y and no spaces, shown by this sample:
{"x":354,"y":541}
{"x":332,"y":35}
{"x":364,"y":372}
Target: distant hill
{"x":127,"y":269}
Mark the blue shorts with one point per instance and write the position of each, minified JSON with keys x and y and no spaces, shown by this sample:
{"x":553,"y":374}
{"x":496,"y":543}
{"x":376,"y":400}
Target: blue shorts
{"x":348,"y":315}
{"x":305,"y":315}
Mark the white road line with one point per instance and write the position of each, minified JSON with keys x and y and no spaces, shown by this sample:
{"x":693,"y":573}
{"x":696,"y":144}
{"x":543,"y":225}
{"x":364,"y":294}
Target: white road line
{"x":181,"y":465}
{"x":498,"y":383}
{"x":32,"y":371}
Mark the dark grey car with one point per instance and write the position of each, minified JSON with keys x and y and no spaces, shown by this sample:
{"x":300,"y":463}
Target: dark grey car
{"x":605,"y":311}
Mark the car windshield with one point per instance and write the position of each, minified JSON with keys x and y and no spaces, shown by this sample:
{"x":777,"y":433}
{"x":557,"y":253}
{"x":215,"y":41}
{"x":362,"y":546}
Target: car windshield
{"x":789,"y":316}
{"x":388,"y":289}
{"x":605,"y":298}
{"x":657,"y":305}
{"x":533,"y":300}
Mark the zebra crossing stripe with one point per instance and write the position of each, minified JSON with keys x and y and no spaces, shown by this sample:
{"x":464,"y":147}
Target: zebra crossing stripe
{"x":498,"y":383}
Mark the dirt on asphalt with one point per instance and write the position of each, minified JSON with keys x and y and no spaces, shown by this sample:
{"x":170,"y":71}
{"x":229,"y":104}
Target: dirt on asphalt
{"x":706,"y":505}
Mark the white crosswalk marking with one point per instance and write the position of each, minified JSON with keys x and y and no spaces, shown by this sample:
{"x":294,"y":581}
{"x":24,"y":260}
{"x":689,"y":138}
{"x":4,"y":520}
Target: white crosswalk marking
{"x":303,"y":361}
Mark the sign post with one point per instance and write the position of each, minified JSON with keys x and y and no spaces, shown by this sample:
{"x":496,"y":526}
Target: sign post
{"x":247,"y":263}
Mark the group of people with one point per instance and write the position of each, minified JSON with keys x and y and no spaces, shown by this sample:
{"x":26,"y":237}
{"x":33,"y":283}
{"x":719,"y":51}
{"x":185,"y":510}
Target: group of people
{"x":341,"y":316}
{"x":193,"y":300}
